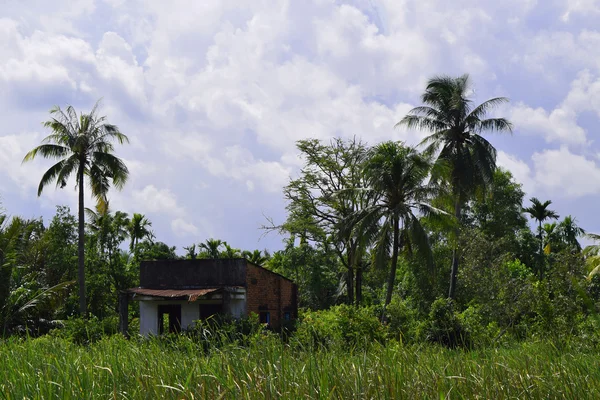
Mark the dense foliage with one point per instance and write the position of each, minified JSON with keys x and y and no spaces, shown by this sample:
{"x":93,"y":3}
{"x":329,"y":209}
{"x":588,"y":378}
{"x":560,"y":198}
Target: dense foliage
{"x":374,"y":237}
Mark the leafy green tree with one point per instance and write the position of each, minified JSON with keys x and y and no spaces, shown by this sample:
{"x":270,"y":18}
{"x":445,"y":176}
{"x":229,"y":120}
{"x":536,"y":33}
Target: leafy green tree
{"x":456,"y":127}
{"x":83,"y":145}
{"x":322,"y":198}
{"x":540,"y":212}
{"x":139,"y":229}
{"x":155,"y":251}
{"x":498,"y":212}
{"x":396,"y":177}
{"x":22,"y":293}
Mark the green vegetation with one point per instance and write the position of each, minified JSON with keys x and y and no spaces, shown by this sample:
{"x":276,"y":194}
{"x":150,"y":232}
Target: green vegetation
{"x":180,"y":368}
{"x":374,"y":237}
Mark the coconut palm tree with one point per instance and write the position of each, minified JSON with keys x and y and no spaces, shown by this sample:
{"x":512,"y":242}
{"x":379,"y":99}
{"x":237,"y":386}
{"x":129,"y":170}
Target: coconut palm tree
{"x":456,"y":126}
{"x":540,"y":212}
{"x":396,"y":176}
{"x":139,"y":229}
{"x":83,"y":144}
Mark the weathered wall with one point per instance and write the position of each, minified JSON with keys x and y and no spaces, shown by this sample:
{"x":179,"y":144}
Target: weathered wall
{"x":190,"y":312}
{"x":186,"y":274}
{"x":267,"y":291}
{"x":148,"y":318}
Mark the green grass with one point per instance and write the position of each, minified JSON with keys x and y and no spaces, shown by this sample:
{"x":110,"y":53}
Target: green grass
{"x":115,"y":368}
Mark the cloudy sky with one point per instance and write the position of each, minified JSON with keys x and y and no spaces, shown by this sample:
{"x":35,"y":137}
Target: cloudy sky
{"x":214,"y":95}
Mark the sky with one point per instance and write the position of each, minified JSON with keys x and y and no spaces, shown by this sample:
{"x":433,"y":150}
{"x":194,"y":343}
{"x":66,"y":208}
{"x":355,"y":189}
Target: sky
{"x":214,"y":95}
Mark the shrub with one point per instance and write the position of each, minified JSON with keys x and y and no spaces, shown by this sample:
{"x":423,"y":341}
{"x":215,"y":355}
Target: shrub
{"x":444,"y":326}
{"x":86,"y":331}
{"x":342,"y":325}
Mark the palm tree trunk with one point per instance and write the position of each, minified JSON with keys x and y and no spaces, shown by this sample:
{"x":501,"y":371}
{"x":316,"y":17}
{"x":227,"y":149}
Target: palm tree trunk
{"x":81,"y":246}
{"x":454,"y":269}
{"x":358,"y":290}
{"x":541,"y":255}
{"x":394,"y":266}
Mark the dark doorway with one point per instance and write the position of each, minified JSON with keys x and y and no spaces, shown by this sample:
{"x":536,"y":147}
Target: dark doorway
{"x":208,"y":310}
{"x":169,"y":318}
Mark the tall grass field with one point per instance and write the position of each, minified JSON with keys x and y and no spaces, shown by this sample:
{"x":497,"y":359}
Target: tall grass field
{"x":266,"y":368}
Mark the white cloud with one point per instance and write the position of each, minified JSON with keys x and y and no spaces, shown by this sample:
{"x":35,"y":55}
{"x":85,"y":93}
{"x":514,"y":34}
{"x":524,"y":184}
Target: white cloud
{"x":580,"y":6}
{"x":150,"y":199}
{"x":565,"y":174}
{"x":560,"y":125}
{"x":213,"y":109}
{"x":519,"y":169}
{"x":183,"y":228}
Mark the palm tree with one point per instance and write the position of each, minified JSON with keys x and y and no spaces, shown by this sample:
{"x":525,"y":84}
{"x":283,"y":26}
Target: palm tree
{"x":211,"y":247}
{"x":83,"y":145}
{"x":540,"y":212}
{"x":456,"y":127}
{"x":256,"y":256}
{"x":396,"y":177}
{"x":569,"y":231}
{"x":592,"y":255}
{"x":230,"y":252}
{"x":139,"y":228}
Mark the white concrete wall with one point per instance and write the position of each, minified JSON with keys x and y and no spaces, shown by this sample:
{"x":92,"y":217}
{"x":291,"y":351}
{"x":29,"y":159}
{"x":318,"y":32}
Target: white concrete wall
{"x":237,"y":308}
{"x":190,"y":312}
{"x":148,"y":318}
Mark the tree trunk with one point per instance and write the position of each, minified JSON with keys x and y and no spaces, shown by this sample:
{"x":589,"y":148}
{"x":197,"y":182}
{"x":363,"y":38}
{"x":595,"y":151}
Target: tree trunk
{"x":358,"y":291}
{"x":392,"y":276}
{"x":81,"y":247}
{"x":454,"y":269}
{"x":541,"y":255}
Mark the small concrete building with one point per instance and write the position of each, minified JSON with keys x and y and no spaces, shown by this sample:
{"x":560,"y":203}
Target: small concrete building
{"x":175,"y":293}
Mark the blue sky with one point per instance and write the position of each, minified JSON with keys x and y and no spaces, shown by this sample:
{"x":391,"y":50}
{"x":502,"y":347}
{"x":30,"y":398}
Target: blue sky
{"x":214,"y":95}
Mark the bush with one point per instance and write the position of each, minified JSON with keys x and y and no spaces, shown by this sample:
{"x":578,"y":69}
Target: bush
{"x":86,"y":331}
{"x":341,"y":325}
{"x":444,"y":326}
{"x":402,"y":318}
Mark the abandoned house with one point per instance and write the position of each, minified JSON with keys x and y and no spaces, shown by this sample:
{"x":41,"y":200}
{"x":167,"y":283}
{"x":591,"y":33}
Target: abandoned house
{"x":175,"y":293}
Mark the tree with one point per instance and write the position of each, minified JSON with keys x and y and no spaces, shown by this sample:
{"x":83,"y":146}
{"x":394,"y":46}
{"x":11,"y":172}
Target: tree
{"x":139,"y":229}
{"x":211,"y":248}
{"x":569,"y":231}
{"x":456,"y":127}
{"x":540,"y":212}
{"x":396,"y":177}
{"x":322,"y":199}
{"x":230,"y":252}
{"x":256,"y":257}
{"x":83,"y":145}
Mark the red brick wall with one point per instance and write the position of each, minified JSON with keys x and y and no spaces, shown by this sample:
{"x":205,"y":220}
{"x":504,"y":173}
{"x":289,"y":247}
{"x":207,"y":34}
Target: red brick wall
{"x":267,"y":291}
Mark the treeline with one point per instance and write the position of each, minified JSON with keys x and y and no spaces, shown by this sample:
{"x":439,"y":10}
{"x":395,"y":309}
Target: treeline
{"x":434,"y":241}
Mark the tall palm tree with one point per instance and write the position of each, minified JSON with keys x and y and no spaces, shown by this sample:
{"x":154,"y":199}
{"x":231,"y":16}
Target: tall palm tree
{"x":396,"y":177}
{"x":456,"y":127}
{"x":83,"y":145}
{"x":540,"y":212}
{"x":139,"y":228}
